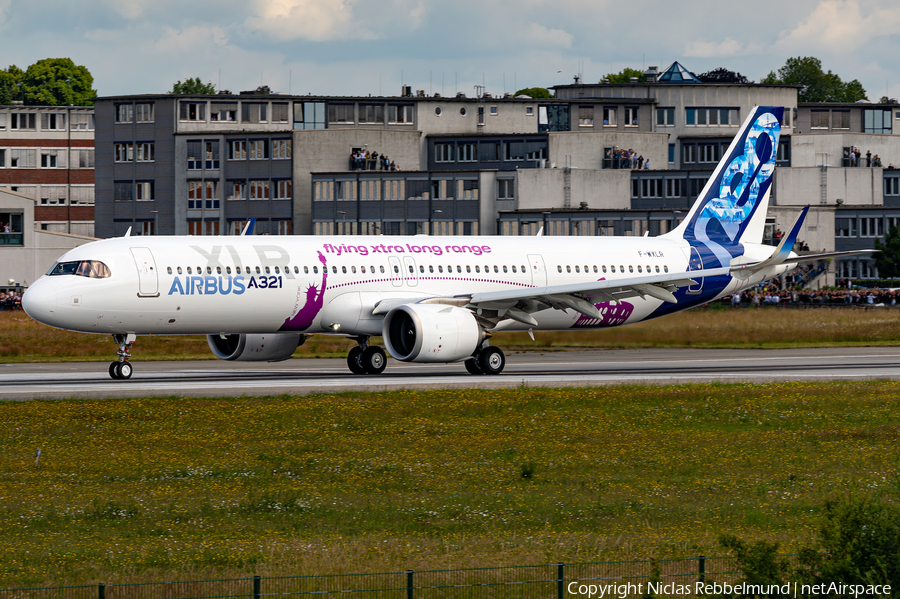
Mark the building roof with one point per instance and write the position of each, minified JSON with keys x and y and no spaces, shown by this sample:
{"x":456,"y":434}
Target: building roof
{"x":677,"y":73}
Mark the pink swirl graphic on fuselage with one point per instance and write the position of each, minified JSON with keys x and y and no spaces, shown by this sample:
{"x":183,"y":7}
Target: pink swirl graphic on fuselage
{"x":315,"y":299}
{"x":614,"y":313}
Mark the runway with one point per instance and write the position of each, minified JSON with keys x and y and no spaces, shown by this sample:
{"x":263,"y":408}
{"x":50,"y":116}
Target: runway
{"x":534,"y":369}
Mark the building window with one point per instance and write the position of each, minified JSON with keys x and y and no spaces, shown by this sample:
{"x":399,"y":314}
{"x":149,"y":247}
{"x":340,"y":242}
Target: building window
{"x":22,"y":121}
{"x":259,"y":190}
{"x":443,"y":152}
{"x":124,"y":152}
{"x":529,"y":111}
{"x":284,"y":227}
{"x":2,"y":120}
{"x":513,"y":150}
{"x":674,"y":188}
{"x":840,"y":119}
{"x":784,"y":151}
{"x":845,"y":227}
{"x":194,"y":155}
{"x":203,"y":193}
{"x":371,"y":114}
{"x":690,"y":153}
{"x":711,"y":117}
{"x":340,"y":113}
{"x":53,"y":121}
{"x":631,"y":116}
{"x":539,"y":154}
{"x":144,"y":191}
{"x":223,"y":112}
{"x":145,"y":151}
{"x":237,"y":190}
{"x":53,"y":195}
{"x":81,"y":194}
{"x":254,"y":113}
{"x":143,"y":113}
{"x":193,"y":111}
{"x":237,"y":149}
{"x":651,"y":188}
{"x":22,"y":158}
{"x":609,"y":116}
{"x":665,"y":117}
{"x":871,"y":227}
{"x":493,"y":111}
{"x":282,"y":189}
{"x":2,"y":158}
{"x":81,"y":122}
{"x":585,"y":116}
{"x":506,"y":189}
{"x":818,"y":119}
{"x":123,"y":191}
{"x":259,"y":149}
{"x":466,"y":153}
{"x":53,"y":159}
{"x":279,"y":112}
{"x":124,"y":113}
{"x":211,"y":151}
{"x":671,"y":153}
{"x":877,"y":121}
{"x":82,"y":158}
{"x":281,"y":149}
{"x":892,"y":186}
{"x":400,"y":114}
{"x":709,"y":153}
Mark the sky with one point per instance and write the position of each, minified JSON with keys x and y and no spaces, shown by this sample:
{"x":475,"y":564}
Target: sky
{"x":357,"y":48}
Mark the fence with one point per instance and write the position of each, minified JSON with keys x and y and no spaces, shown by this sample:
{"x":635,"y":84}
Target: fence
{"x":525,"y":582}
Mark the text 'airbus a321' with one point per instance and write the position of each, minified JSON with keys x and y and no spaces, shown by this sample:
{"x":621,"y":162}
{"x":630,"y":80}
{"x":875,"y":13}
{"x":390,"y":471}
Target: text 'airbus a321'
{"x":432,"y":299}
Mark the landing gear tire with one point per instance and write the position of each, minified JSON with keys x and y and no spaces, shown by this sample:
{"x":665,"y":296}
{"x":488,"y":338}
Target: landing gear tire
{"x":491,"y":360}
{"x":473,"y":367}
{"x":113,"y":366}
{"x":124,"y":370}
{"x":373,"y":360}
{"x":354,"y":362}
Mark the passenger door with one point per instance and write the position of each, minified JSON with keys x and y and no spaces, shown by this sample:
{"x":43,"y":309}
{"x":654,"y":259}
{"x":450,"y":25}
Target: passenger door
{"x":148,"y":281}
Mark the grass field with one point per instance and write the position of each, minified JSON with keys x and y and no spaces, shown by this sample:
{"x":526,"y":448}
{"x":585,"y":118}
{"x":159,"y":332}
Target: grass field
{"x":24,"y":340}
{"x":181,"y":488}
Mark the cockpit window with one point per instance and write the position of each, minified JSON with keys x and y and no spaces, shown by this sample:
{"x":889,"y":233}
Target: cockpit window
{"x":92,"y":269}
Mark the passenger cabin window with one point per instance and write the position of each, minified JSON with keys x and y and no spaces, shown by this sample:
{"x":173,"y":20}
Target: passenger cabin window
{"x":92,"y":269}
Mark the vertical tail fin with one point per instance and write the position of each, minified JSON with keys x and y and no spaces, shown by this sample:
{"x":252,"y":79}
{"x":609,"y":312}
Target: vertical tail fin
{"x":732,"y":206}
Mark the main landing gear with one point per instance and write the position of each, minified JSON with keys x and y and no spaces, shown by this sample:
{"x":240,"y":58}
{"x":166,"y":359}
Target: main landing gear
{"x":122,"y":369}
{"x":489,"y":360}
{"x":365,"y":358}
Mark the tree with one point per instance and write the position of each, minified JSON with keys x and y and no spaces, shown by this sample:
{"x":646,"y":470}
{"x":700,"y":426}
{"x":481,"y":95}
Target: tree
{"x":722,"y":75}
{"x":625,"y":75}
{"x":818,"y":86}
{"x":11,"y":84}
{"x":887,"y":260}
{"x":534,"y":92}
{"x":58,"y":82}
{"x":193,"y":87}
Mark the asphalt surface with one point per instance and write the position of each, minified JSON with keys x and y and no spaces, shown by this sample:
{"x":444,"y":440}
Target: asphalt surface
{"x":582,"y":368}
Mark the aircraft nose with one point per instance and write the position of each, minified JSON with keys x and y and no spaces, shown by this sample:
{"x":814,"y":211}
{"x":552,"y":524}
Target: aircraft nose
{"x":39,"y":301}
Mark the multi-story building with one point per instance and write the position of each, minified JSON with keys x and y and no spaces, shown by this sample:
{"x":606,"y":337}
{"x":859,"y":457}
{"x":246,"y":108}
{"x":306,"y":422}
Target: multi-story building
{"x":47,"y":153}
{"x":483,"y":165}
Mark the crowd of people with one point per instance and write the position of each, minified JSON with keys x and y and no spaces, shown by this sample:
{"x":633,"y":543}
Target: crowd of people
{"x":371,"y":161}
{"x":854,"y":158}
{"x":772,"y":295}
{"x":11,"y":300}
{"x":617,"y":158}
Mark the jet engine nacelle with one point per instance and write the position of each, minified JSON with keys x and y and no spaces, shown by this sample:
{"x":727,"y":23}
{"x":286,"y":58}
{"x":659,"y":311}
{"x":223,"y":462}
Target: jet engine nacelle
{"x":272,"y":347}
{"x":431,"y":333}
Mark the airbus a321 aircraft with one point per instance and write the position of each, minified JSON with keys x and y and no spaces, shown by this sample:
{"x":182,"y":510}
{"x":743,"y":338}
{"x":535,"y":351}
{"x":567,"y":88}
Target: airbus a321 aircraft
{"x":433,"y":299}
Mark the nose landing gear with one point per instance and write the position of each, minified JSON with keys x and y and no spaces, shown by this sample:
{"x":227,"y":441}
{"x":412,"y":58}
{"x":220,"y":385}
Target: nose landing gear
{"x":122,"y":369}
{"x":365,"y":358}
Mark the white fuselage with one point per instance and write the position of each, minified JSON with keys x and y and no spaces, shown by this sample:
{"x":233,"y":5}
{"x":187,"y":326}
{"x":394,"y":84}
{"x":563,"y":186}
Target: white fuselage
{"x":265,"y":284}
